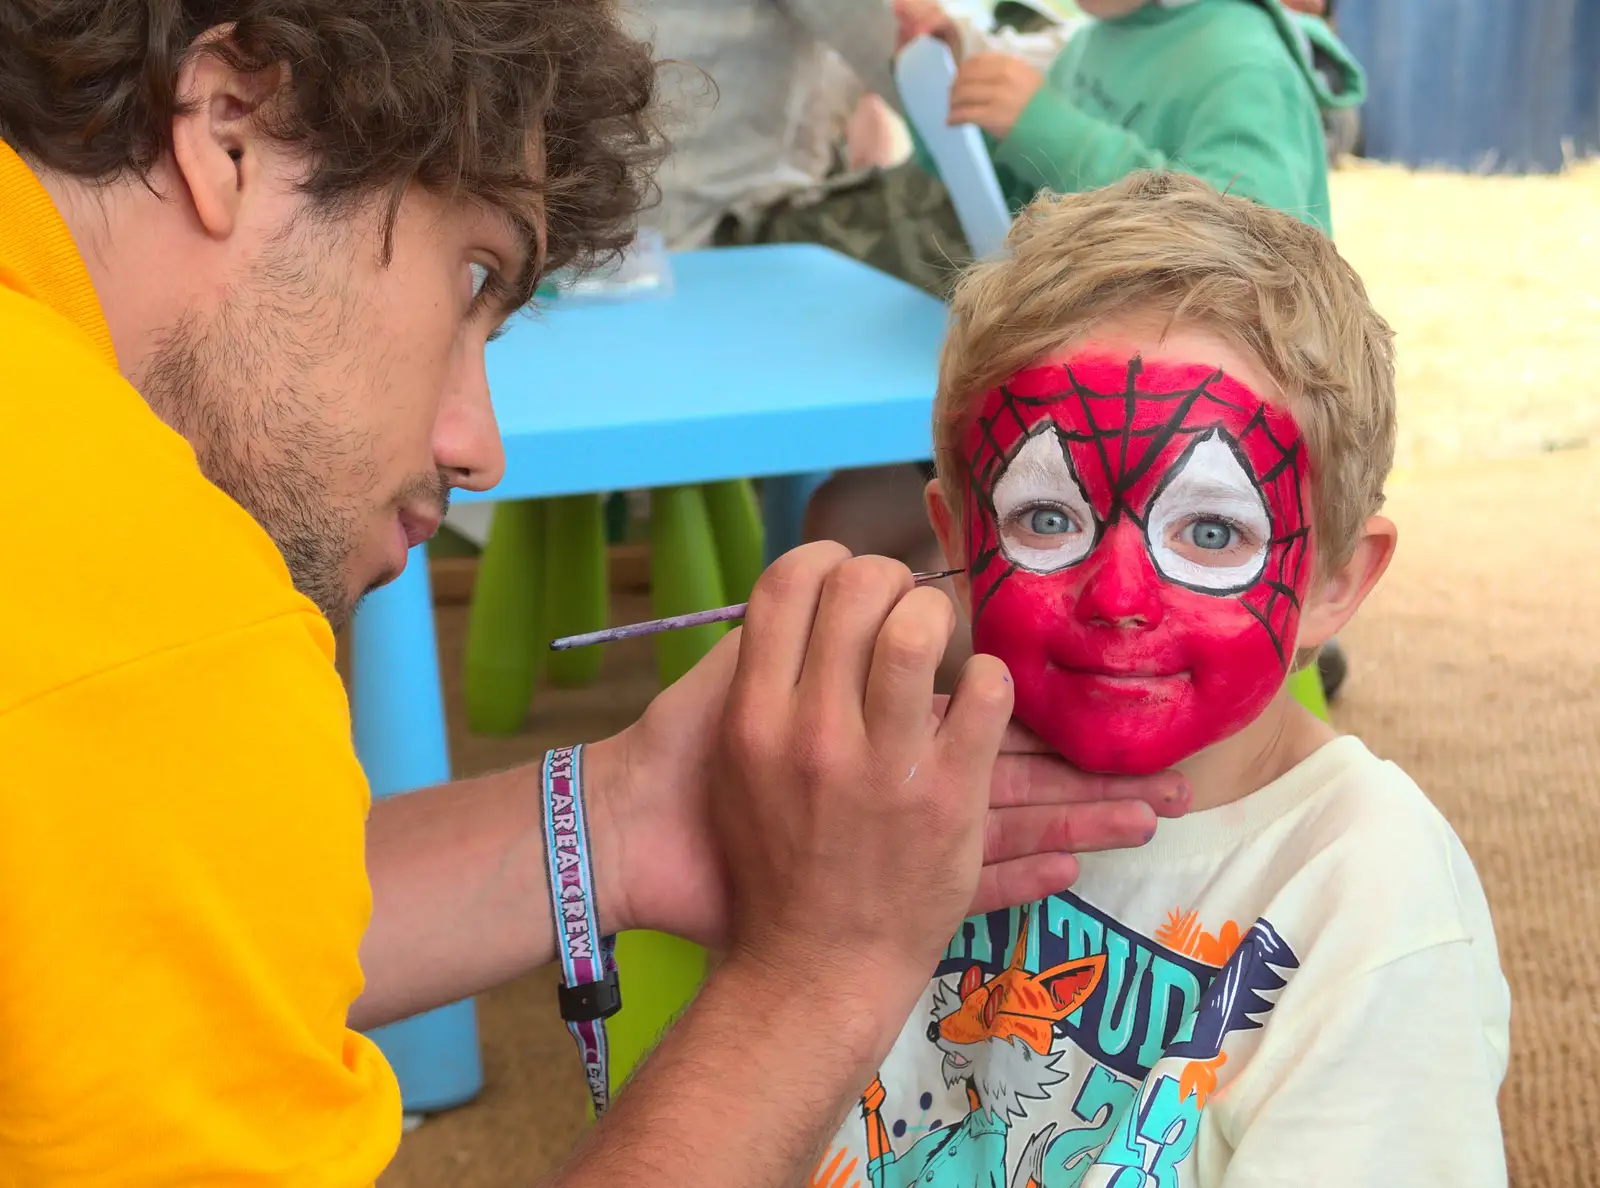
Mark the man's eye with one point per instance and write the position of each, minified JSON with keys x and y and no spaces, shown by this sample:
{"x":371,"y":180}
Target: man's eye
{"x":480,"y":277}
{"x":1214,"y":535}
{"x":1050,"y":521}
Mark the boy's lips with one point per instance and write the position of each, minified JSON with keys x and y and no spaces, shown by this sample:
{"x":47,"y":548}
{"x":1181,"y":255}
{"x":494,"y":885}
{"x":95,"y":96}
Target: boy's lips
{"x":1108,"y":664}
{"x":1137,"y":683}
{"x":1104,"y":673}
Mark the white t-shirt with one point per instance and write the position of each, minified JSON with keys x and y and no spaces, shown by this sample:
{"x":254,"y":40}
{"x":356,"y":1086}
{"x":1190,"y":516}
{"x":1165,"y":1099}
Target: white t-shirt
{"x":1298,"y":988}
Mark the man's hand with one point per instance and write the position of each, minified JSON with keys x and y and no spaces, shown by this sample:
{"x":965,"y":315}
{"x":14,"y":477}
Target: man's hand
{"x":659,"y":867}
{"x":991,"y":91}
{"x":851,"y":816}
{"x":924,"y":18}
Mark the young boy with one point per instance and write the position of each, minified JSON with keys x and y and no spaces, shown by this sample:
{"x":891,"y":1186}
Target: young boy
{"x":1163,"y":426}
{"x":1226,"y":90}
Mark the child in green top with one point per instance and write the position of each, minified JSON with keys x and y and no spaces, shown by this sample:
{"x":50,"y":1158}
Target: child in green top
{"x":1230,"y":91}
{"x":1227,"y":90}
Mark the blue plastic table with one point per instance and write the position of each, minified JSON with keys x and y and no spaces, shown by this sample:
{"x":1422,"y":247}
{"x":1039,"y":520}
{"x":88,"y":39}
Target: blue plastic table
{"x":764,"y":361}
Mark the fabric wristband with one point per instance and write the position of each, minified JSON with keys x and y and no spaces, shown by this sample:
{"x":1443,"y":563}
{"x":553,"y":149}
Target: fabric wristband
{"x":589,"y":993}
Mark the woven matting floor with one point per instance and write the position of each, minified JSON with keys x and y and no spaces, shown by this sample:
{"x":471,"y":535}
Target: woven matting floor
{"x":1476,"y":666}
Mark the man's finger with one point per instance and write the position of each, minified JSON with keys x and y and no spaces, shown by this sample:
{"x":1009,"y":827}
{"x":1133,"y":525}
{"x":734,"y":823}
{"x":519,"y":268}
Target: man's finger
{"x":1077,"y":829}
{"x":974,"y":722}
{"x":1049,"y":779}
{"x":777,"y":626}
{"x":904,"y":661}
{"x":856,"y":600}
{"x":1018,"y":740}
{"x":1023,"y":880}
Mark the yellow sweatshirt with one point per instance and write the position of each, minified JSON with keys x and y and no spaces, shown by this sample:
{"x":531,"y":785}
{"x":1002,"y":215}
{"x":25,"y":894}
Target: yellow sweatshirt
{"x":182,"y":881}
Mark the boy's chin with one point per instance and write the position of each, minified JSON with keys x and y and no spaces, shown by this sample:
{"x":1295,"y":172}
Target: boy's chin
{"x":1116,"y":756}
{"x":1129,"y":742}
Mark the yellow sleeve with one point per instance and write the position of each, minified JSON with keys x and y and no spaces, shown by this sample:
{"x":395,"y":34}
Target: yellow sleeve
{"x":182,"y":897}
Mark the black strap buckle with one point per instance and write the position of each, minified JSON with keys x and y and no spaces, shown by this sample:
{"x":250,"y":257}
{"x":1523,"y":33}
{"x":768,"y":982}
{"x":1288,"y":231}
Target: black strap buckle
{"x":590,"y":1000}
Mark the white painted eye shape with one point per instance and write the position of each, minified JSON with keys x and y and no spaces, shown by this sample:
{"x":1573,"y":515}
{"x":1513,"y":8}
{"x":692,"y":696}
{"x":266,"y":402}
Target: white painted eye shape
{"x":1044,"y":518}
{"x":1212,"y":509}
{"x":480,"y":277}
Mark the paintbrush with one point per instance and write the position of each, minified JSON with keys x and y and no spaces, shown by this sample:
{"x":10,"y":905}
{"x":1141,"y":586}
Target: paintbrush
{"x":696,"y":619}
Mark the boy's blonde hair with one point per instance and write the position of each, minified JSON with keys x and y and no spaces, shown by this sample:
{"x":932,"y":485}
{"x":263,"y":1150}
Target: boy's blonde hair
{"x":1170,"y":244}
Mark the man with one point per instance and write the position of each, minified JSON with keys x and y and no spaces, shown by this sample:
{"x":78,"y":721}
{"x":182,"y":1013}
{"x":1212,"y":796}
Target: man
{"x":250,"y":255}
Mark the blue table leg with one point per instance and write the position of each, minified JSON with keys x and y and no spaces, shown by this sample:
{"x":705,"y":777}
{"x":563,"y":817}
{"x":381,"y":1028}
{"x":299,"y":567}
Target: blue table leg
{"x":783,"y":509}
{"x":398,"y":714}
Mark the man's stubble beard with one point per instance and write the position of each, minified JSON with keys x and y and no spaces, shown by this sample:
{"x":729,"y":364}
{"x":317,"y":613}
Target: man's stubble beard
{"x":241,"y":387}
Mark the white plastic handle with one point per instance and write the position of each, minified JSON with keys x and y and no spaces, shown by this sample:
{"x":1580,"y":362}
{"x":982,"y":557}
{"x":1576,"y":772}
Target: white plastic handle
{"x":924,"y":72}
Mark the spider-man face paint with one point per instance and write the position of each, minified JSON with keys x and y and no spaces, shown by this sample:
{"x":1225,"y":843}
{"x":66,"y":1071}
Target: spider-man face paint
{"x":1139,"y":546}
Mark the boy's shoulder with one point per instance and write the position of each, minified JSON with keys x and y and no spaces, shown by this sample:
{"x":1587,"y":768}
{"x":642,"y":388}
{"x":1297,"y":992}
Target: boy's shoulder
{"x":1366,"y":850}
{"x":1344,"y":854}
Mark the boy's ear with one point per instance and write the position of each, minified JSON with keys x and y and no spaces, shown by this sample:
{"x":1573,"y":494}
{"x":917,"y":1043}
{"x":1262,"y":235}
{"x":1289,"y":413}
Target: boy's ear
{"x":1335,"y":598}
{"x":946,"y":528}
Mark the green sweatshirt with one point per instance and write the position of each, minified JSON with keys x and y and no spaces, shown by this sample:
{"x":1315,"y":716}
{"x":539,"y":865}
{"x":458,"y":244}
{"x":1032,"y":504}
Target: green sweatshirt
{"x":1222,"y":89}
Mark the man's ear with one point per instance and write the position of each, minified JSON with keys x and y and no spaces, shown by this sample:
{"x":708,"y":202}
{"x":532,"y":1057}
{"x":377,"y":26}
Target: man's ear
{"x":217,"y":144}
{"x":1336,"y":597}
{"x":948,"y":530}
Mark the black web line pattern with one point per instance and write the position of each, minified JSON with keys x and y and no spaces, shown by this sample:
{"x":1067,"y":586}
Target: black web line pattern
{"x":1288,"y":551}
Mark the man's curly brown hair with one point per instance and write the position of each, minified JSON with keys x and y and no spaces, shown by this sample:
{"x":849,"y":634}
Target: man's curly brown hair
{"x":454,"y":95}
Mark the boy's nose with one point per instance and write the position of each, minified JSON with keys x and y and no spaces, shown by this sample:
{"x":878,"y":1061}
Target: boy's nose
{"x":1121,"y":587}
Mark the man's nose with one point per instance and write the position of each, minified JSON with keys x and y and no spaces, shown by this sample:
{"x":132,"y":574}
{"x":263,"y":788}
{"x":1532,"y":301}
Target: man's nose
{"x":1121,"y":587}
{"x":466,"y":440}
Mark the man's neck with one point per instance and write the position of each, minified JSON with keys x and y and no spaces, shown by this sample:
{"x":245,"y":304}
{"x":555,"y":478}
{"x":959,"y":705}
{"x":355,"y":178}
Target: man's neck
{"x":110,"y":225}
{"x":1282,"y":736}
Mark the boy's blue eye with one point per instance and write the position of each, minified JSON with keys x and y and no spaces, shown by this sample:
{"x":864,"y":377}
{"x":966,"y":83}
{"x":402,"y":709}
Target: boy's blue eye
{"x":1211,"y":534}
{"x":480,"y":277}
{"x":1048,"y":521}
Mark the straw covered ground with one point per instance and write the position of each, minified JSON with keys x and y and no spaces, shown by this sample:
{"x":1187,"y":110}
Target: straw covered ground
{"x":1493,"y":287}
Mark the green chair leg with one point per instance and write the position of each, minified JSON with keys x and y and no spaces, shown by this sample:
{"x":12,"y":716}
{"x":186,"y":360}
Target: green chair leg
{"x":736,"y":528}
{"x":1306,"y":685}
{"x":617,"y":517}
{"x":574,"y":562}
{"x":684,"y":576}
{"x":660,"y":975}
{"x":505,"y":627}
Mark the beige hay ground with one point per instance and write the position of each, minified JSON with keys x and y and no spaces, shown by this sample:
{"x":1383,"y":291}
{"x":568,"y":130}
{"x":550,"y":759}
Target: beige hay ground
{"x":1493,"y":286}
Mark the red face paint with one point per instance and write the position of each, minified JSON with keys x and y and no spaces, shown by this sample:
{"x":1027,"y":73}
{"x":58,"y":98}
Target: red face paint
{"x":1139,"y":546}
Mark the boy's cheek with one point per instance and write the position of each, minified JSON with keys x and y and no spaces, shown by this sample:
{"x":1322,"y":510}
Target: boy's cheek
{"x":1130,"y":701}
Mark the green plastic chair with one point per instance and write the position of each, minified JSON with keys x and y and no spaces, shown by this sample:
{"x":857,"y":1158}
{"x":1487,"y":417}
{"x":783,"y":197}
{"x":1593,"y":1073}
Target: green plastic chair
{"x":1306,"y":685}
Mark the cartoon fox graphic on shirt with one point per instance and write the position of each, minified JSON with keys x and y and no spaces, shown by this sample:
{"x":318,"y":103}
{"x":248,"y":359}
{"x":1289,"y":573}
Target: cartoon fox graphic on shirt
{"x":997,"y":1038}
